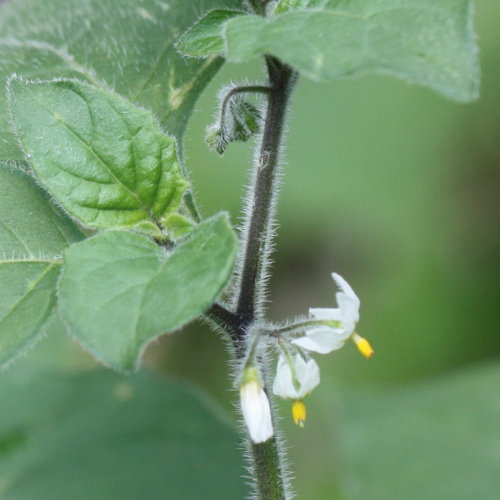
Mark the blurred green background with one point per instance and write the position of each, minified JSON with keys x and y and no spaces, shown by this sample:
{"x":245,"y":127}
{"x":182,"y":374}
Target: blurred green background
{"x":395,"y":189}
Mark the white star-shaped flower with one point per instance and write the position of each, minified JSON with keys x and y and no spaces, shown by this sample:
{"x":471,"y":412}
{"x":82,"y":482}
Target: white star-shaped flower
{"x":327,"y":338}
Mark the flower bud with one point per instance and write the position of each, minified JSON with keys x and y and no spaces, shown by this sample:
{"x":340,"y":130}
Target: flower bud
{"x":255,"y":406}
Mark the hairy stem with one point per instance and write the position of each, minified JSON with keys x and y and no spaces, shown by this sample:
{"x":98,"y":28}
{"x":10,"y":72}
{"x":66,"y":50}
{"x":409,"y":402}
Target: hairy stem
{"x":257,"y":232}
{"x":268,"y":472}
{"x":224,"y":319}
{"x":260,"y":89}
{"x":266,"y":458}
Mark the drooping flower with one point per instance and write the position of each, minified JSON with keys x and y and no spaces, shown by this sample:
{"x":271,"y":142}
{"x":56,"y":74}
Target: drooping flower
{"x":295,"y":379}
{"x":255,"y":406}
{"x":335,"y":325}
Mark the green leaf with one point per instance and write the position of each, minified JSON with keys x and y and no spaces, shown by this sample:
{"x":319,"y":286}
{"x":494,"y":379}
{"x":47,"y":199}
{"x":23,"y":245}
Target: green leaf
{"x":119,"y":290}
{"x":246,"y":119}
{"x":105,"y":160}
{"x":33,"y":235}
{"x":205,"y":38}
{"x":427,"y":42}
{"x":217,"y":138}
{"x":438,"y":439}
{"x":120,"y":44}
{"x":104,"y":436}
{"x":286,"y":5}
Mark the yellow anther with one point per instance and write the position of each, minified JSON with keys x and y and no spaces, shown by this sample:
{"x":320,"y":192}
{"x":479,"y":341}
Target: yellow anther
{"x":299,"y":413}
{"x":363,"y":346}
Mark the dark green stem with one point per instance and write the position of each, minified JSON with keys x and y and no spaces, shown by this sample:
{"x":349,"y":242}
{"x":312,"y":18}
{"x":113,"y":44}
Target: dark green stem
{"x":268,"y":470}
{"x":257,"y":233}
{"x":266,"y":458}
{"x":225,"y":320}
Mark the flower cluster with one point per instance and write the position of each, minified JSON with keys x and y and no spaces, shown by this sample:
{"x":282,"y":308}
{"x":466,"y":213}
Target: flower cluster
{"x":297,"y":374}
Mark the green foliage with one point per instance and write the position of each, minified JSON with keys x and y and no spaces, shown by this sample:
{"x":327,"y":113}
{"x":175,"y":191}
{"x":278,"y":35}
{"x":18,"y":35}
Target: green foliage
{"x":102,"y":436}
{"x":205,"y":37}
{"x":246,"y":119}
{"x":116,"y":44}
{"x":105,"y":160}
{"x":429,"y":43}
{"x":436,"y":440}
{"x":120,"y":290}
{"x":217,"y":139}
{"x":286,"y":5}
{"x":240,"y":120}
{"x":33,"y":235}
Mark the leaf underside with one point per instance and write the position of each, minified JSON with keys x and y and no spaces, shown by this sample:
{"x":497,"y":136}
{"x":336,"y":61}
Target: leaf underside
{"x":427,"y":42}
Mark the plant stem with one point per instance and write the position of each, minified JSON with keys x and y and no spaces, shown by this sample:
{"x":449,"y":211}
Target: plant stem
{"x":257,"y":232}
{"x":224,"y":319}
{"x":268,"y":471}
{"x":266,"y":458}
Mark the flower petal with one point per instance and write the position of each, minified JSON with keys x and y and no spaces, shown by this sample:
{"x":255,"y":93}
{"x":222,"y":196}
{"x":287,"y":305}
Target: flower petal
{"x":283,"y":383}
{"x":345,"y":287}
{"x":307,"y":373}
{"x":324,"y":314}
{"x":322,"y":340}
{"x":349,"y":309}
{"x":256,"y":412}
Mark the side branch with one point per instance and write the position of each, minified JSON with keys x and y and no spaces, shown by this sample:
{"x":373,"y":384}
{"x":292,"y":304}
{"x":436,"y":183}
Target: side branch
{"x":247,"y":89}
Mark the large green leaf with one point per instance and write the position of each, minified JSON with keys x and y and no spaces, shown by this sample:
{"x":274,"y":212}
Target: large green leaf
{"x":33,"y":235}
{"x":125,"y":45}
{"x":105,"y":160}
{"x":119,"y":290}
{"x":205,"y":37}
{"x":104,"y":436}
{"x":426,"y":42}
{"x":435,"y":440}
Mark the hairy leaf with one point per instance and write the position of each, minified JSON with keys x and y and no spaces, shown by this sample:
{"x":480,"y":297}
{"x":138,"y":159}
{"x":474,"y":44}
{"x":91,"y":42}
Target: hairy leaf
{"x":205,"y":37}
{"x":119,"y":290}
{"x":33,"y":235}
{"x":126,"y":45}
{"x":103,"y":436}
{"x":426,"y":42}
{"x":105,"y":160}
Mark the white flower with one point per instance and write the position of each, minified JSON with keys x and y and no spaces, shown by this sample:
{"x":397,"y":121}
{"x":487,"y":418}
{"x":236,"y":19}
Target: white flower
{"x":295,"y":379}
{"x":255,"y":407}
{"x":306,"y":375}
{"x":327,"y":338}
